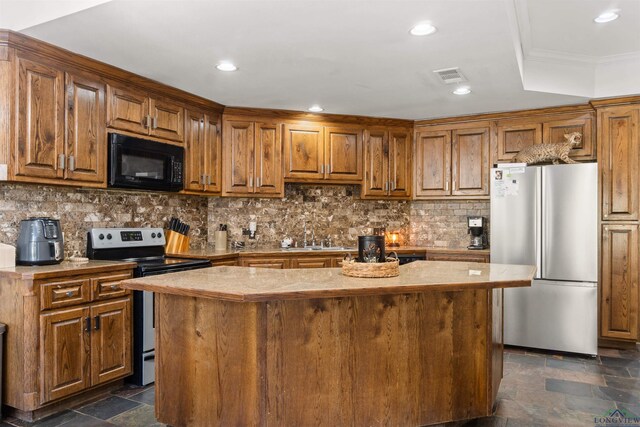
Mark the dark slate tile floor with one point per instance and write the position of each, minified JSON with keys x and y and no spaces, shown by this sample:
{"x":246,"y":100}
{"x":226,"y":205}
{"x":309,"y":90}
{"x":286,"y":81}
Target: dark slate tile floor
{"x":538,"y":389}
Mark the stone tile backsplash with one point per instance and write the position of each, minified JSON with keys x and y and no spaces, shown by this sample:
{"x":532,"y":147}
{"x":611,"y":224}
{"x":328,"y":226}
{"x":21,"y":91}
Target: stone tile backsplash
{"x":80,"y":209}
{"x":336,"y":211}
{"x":332,"y":210}
{"x":443,"y":223}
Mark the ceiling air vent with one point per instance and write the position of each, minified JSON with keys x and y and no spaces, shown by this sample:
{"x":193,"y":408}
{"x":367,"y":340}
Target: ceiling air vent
{"x":450,"y":75}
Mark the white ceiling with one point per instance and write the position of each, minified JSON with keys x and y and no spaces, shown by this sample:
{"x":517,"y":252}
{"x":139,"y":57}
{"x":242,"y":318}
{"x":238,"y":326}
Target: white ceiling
{"x":356,"y":56}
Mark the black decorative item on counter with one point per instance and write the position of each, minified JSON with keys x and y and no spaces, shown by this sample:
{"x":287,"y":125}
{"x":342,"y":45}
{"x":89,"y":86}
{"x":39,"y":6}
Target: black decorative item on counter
{"x":371,"y":249}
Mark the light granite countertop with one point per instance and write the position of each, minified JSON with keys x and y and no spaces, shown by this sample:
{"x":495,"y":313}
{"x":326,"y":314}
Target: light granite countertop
{"x":65,"y":268}
{"x":257,"y":284}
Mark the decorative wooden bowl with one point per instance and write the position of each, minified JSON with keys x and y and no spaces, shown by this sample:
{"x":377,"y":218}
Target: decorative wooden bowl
{"x":390,"y":268}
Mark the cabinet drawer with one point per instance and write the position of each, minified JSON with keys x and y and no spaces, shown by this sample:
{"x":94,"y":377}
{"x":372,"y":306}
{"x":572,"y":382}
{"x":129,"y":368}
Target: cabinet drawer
{"x":64,"y":294}
{"x":107,"y":287}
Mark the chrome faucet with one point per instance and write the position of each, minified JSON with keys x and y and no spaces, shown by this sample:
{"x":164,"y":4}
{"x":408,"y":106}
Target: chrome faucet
{"x":304,"y":233}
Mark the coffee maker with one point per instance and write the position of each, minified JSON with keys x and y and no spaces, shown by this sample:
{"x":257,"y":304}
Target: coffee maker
{"x":478,"y":232}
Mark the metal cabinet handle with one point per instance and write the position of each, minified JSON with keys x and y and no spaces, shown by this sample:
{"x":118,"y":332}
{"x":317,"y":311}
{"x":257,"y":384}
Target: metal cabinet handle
{"x":147,"y":121}
{"x":446,"y":186}
{"x":321,"y":168}
{"x":61,"y":161}
{"x":155,"y":122}
{"x":97,"y":323}
{"x":72,"y":163}
{"x":258,"y":182}
{"x":202,"y":178}
{"x":208,"y":179}
{"x":87,"y":324}
{"x":386,"y":186}
{"x":329,"y":168}
{"x":393,"y":185}
{"x":250,"y":181}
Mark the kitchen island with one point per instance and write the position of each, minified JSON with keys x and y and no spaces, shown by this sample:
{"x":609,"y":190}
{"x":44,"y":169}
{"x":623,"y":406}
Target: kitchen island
{"x":248,"y":346}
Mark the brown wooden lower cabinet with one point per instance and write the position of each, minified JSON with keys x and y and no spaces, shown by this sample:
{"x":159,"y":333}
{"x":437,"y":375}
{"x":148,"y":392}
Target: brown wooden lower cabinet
{"x":457,"y":256}
{"x":66,"y":336}
{"x":223,"y":262}
{"x":266,"y":262}
{"x":619,"y":282}
{"x":315,"y":262}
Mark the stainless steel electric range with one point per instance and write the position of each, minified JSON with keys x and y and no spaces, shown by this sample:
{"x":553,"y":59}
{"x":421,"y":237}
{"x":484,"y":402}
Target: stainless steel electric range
{"x":145,"y":246}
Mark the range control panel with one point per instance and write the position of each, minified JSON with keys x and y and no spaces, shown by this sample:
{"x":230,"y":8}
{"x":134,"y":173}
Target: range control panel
{"x":104,"y":238}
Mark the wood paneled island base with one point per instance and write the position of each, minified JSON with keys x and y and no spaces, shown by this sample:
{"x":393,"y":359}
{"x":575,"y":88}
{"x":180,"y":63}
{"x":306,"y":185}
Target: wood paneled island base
{"x":389,"y":358}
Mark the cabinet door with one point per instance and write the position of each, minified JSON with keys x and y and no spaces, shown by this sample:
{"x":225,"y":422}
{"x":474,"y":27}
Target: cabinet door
{"x":237,"y":148}
{"x":312,"y":262}
{"x":276,"y":263}
{"x":195,"y":176}
{"x":399,"y":163}
{"x":213,"y":153}
{"x":64,"y":352}
{"x":110,"y":341}
{"x":85,"y":122}
{"x":343,"y":153}
{"x":268,"y":159}
{"x":618,"y":162}
{"x":619,"y":282}
{"x":303,"y":152}
{"x":127,"y":110}
{"x":554,"y":131}
{"x":433,"y":163}
{"x":513,"y":137}
{"x":376,"y":169}
{"x":470,"y":162}
{"x":167,"y":119}
{"x":40,"y":142}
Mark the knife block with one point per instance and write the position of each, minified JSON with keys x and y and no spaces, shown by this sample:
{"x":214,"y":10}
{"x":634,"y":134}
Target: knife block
{"x":176,"y":243}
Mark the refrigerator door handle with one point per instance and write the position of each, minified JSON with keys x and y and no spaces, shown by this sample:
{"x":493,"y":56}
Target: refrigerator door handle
{"x":538,"y":225}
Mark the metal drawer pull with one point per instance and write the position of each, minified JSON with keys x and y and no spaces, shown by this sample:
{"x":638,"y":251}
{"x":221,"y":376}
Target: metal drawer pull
{"x":208,"y":179}
{"x":114,"y":287}
{"x":69,"y":293}
{"x":72,"y":163}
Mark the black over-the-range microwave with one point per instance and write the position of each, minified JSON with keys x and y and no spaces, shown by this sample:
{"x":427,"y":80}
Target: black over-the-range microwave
{"x":144,"y":164}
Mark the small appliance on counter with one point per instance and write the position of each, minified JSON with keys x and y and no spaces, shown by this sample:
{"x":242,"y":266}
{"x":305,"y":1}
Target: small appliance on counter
{"x":478,"y":233}
{"x":39,"y":242}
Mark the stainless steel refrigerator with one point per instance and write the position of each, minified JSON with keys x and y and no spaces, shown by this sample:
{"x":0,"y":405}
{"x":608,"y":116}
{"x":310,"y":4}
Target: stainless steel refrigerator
{"x":547,"y":216}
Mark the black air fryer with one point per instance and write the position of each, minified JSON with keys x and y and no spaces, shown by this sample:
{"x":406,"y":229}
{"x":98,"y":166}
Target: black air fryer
{"x":39,"y":242}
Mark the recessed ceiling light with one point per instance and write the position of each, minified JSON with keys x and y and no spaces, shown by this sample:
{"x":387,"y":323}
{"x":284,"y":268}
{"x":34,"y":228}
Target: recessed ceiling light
{"x":462,"y":90}
{"x":423,"y":29}
{"x":226,"y":66}
{"x":608,"y":16}
{"x":315,"y":108}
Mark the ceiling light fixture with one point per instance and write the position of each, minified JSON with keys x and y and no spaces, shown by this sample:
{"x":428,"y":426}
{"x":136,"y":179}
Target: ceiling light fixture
{"x":226,"y":66}
{"x":462,"y":90}
{"x":315,"y":108}
{"x":423,"y":29}
{"x":608,"y":16}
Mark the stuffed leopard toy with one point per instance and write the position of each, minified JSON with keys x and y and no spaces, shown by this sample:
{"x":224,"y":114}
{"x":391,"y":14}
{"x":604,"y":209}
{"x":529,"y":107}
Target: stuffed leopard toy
{"x":542,"y":153}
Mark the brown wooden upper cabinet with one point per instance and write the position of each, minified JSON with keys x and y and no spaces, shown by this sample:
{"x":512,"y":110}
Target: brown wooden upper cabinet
{"x":314,"y":153}
{"x":452,"y":162}
{"x":618,"y":162}
{"x":138,"y":112}
{"x":387,"y":164}
{"x":619,"y":282}
{"x":515,"y":134}
{"x":252,"y":155}
{"x":203,"y":152}
{"x":60,"y":124}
